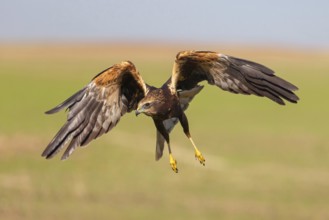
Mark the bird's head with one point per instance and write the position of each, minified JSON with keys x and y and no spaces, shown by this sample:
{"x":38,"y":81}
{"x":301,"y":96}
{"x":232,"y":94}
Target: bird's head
{"x":149,"y":105}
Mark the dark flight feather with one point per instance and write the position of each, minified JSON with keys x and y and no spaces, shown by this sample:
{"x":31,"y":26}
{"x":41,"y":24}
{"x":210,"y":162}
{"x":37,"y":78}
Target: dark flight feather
{"x":230,"y":74}
{"x":97,"y":108}
{"x":68,"y":103}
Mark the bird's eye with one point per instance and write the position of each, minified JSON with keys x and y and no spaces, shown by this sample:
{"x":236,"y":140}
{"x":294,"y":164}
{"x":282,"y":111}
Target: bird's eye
{"x":147,"y":105}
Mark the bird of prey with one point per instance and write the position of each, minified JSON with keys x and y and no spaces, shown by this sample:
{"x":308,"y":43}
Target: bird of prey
{"x":98,"y":107}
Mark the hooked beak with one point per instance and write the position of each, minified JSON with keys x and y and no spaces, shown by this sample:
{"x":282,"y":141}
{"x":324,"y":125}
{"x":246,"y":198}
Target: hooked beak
{"x":138,"y":111}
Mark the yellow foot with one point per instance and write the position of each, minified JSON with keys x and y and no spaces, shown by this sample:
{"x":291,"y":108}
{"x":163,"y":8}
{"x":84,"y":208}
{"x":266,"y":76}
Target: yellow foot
{"x":200,"y":158}
{"x":173,"y":163}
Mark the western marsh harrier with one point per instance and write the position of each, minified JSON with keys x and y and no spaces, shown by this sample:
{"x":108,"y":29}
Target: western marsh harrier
{"x":98,"y":107}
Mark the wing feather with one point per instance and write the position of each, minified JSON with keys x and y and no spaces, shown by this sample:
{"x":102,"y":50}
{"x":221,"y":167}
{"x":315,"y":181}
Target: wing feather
{"x":230,"y":74}
{"x":97,"y":108}
{"x":69,"y":102}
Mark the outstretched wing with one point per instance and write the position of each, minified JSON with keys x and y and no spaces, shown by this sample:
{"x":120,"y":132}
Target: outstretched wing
{"x":98,"y":107}
{"x":230,"y":74}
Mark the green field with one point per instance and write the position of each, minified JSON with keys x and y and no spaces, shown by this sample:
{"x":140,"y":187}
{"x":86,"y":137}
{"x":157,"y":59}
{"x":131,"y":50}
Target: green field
{"x":263,"y":161}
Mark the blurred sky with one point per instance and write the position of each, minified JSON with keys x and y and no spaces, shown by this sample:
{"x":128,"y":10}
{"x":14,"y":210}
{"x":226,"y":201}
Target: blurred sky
{"x":300,"y":23}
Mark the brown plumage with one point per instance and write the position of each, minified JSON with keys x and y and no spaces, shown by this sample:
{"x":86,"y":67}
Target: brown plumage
{"x":98,"y":107}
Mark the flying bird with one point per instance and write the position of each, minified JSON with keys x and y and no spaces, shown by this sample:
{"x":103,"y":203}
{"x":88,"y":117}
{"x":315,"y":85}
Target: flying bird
{"x":98,"y":107}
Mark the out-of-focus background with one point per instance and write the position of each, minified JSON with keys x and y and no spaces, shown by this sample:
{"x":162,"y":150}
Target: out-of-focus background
{"x":263,"y":161}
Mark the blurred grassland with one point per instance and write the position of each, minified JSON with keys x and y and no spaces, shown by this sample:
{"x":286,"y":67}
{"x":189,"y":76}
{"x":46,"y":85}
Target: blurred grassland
{"x":263,"y":161}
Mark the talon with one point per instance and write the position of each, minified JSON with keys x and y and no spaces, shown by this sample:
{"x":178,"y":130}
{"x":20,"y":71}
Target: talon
{"x":173,"y":163}
{"x":199,"y":157}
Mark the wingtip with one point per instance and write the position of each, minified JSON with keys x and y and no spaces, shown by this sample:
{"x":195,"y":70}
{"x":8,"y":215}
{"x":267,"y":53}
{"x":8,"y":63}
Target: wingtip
{"x":64,"y":157}
{"x":295,"y":101}
{"x":55,"y":110}
{"x":46,"y":156}
{"x":44,"y":153}
{"x":283,"y":103}
{"x":294,"y":98}
{"x":294,"y":88}
{"x":49,"y":112}
{"x":68,"y":102}
{"x":49,"y":155}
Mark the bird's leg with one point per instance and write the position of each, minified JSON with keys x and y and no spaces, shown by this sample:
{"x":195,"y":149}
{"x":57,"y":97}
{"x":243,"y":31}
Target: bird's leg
{"x":160,"y":127}
{"x":172,"y":161}
{"x":198,"y":154}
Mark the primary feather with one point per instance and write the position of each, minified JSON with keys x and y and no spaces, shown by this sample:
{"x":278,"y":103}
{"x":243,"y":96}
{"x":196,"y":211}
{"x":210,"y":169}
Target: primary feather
{"x":230,"y":74}
{"x":97,"y":108}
